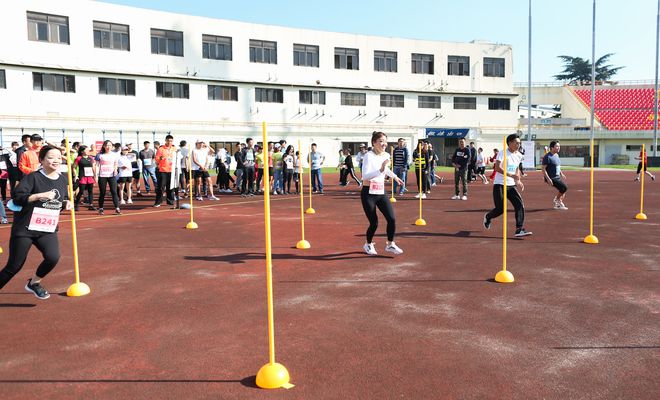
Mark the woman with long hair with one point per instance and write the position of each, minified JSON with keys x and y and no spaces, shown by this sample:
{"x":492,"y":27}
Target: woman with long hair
{"x":107,"y":172}
{"x":375,"y":166}
{"x":85,"y":173}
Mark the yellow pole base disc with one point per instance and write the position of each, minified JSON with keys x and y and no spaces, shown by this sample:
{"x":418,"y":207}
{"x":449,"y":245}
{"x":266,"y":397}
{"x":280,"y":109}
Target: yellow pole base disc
{"x":78,"y":289}
{"x":310,"y":211}
{"x":392,"y":200}
{"x":640,"y":216}
{"x":420,"y":222}
{"x":591,"y":239}
{"x":273,"y":376}
{"x":192,"y":225}
{"x":504,"y":277}
{"x":0,"y":250}
{"x":303,"y":244}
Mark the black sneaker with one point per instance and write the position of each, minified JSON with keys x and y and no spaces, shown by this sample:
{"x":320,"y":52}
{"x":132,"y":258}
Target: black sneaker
{"x":156,"y":205}
{"x":37,"y":289}
{"x":486,"y":221}
{"x":522,"y":232}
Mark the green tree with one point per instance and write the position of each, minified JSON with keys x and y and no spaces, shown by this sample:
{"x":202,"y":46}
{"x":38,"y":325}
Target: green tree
{"x":577,"y":71}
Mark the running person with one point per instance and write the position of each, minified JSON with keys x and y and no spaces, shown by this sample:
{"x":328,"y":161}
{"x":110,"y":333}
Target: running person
{"x":125,"y":177}
{"x":41,"y":195}
{"x":513,"y":158}
{"x":643,"y":160}
{"x":107,"y":173}
{"x":481,"y":166}
{"x":374,"y":169}
{"x":552,"y":174}
{"x":85,"y":174}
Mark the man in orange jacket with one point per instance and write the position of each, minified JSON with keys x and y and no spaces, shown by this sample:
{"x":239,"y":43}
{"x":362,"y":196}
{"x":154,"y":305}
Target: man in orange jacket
{"x":29,"y":161}
{"x":165,"y":156}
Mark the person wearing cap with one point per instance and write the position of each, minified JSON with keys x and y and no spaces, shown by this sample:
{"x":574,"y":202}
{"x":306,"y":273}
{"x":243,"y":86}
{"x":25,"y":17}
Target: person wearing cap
{"x":277,"y":166}
{"x":29,"y":161}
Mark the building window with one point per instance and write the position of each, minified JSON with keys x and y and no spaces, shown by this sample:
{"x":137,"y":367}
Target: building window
{"x":53,"y":82}
{"x":111,"y":36}
{"x":385,"y":61}
{"x":499,"y":104}
{"x":429,"y":101}
{"x":494,"y":67}
{"x":48,"y":28}
{"x":458,"y":65}
{"x":216,"y":47}
{"x":171,"y":90}
{"x":312,"y":97}
{"x":391,"y":100}
{"x":347,"y":58}
{"x":3,"y":79}
{"x":121,"y":87}
{"x":166,"y":42}
{"x":226,"y":93}
{"x":422,"y":64}
{"x":263,"y":51}
{"x":265,"y":95}
{"x":306,"y":55}
{"x":353,"y":99}
{"x":465,"y":103}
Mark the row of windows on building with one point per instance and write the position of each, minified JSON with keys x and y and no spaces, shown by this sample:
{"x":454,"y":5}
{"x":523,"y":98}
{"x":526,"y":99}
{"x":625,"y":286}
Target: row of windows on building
{"x":126,"y":87}
{"x":55,"y":29}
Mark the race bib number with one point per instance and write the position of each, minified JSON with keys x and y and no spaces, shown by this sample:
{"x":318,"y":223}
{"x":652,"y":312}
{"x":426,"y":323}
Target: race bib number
{"x":3,"y":165}
{"x":376,"y":187}
{"x":88,"y":171}
{"x":107,"y":171}
{"x":511,"y":168}
{"x":146,"y":162}
{"x":44,"y":220}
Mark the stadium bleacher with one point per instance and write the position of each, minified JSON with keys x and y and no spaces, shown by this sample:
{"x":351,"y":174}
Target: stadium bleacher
{"x":621,"y":108}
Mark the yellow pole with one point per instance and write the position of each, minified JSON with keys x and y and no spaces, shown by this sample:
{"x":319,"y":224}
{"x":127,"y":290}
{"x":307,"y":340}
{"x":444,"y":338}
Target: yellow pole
{"x":302,"y":244}
{"x":420,"y":221}
{"x":504,"y":276}
{"x":310,"y":210}
{"x":271,"y":375}
{"x":591,"y":238}
{"x":392,"y":199}
{"x":192,"y":224}
{"x":641,"y":214}
{"x":78,"y":288}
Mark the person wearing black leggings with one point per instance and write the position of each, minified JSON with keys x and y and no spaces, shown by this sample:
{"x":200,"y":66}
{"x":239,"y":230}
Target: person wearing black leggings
{"x":107,"y":173}
{"x":85,"y":174}
{"x":41,"y":195}
{"x":374,"y":169}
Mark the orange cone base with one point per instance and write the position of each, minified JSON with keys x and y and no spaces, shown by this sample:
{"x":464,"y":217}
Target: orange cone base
{"x":303,"y":244}
{"x":640,"y":216}
{"x":420,"y":222}
{"x":310,"y":211}
{"x":591,"y":239}
{"x":78,"y":289}
{"x":273,"y":376}
{"x":192,"y":225}
{"x":504,"y":277}
{"x":392,"y":200}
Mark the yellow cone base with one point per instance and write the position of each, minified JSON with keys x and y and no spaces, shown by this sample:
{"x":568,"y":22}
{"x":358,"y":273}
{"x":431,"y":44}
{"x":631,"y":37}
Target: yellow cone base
{"x":591,"y":239}
{"x":192,"y":225}
{"x":77,"y":290}
{"x":0,"y":250}
{"x":310,"y":211}
{"x":640,"y":216}
{"x":504,"y":277}
{"x":303,"y":244}
{"x":273,"y":376}
{"x":392,"y":200}
{"x":420,"y":222}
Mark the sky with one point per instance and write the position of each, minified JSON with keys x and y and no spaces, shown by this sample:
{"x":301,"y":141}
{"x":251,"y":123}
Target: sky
{"x":559,"y":27}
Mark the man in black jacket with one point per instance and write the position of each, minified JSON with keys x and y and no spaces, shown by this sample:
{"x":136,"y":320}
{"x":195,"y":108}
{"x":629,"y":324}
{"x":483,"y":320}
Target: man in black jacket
{"x":461,"y":160}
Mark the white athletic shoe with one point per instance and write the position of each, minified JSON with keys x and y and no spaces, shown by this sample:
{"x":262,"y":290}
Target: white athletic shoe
{"x":464,"y":198}
{"x":393,"y":248}
{"x":456,"y":197}
{"x":129,"y":201}
{"x":562,"y":206}
{"x":213,"y":198}
{"x":370,"y":249}
{"x":122,"y":202}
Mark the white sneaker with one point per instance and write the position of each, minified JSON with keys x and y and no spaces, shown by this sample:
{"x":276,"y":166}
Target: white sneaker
{"x":393,"y":248}
{"x":129,"y":201}
{"x":213,"y":198}
{"x":122,"y":202}
{"x":417,"y":196}
{"x":561,"y":206}
{"x":198,"y":198}
{"x":456,"y":197}
{"x":370,"y":249}
{"x":464,"y":198}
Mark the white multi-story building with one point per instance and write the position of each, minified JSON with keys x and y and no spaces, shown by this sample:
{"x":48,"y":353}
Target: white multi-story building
{"x":94,"y":70}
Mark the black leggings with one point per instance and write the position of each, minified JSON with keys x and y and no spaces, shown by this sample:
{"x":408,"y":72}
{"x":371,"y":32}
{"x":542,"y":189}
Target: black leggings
{"x":639,"y":169}
{"x":286,"y":181}
{"x":19,"y":247}
{"x":112,"y":182}
{"x":514,"y":197}
{"x":89,"y":187}
{"x":3,"y":189}
{"x":369,"y":204}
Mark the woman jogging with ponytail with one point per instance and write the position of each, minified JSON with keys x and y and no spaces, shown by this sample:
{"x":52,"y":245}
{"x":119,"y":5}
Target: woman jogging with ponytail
{"x":374,"y":169}
{"x":41,"y":194}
